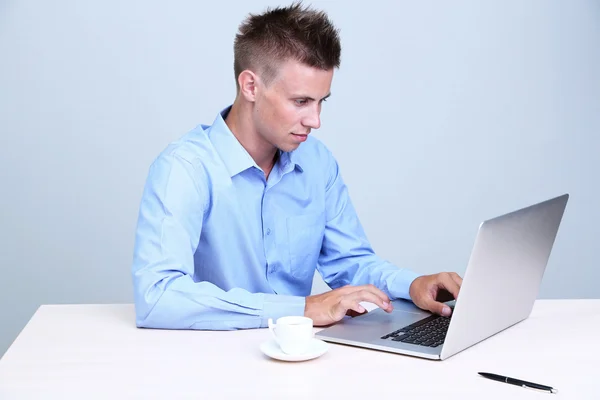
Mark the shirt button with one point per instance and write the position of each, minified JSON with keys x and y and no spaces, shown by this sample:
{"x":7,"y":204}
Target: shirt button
{"x":268,"y":231}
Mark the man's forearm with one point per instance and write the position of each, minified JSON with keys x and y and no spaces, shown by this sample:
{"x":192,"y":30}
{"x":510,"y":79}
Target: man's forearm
{"x":184,"y":304}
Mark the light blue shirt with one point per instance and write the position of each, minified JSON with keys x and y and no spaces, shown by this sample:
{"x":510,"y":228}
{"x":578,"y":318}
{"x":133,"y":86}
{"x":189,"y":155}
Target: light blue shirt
{"x":220,"y":247}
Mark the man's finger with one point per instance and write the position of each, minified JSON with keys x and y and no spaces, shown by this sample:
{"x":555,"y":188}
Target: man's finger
{"x":352,"y":313}
{"x":342,"y":308}
{"x":370,"y":288}
{"x":375,"y":291}
{"x":439,"y":308}
{"x":349,"y":303}
{"x":445,"y":281}
{"x":365,"y":295}
{"x":456,"y":278}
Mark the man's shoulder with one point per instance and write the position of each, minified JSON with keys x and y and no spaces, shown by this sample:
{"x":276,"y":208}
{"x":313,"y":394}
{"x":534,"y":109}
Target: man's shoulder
{"x":193,"y":148}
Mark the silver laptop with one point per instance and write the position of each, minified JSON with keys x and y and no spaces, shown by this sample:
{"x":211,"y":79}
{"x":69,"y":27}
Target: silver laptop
{"x":500,"y":286}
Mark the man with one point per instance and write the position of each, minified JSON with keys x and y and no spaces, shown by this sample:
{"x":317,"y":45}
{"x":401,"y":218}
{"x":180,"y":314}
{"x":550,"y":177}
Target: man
{"x":236,"y":216}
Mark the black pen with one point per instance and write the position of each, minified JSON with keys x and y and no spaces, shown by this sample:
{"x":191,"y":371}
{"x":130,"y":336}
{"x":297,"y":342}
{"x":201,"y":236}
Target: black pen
{"x":517,"y":382}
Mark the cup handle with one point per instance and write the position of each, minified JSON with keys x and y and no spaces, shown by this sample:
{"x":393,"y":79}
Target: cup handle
{"x":272,"y":327}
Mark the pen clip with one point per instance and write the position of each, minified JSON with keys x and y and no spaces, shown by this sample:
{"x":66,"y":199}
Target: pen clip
{"x":551,"y":390}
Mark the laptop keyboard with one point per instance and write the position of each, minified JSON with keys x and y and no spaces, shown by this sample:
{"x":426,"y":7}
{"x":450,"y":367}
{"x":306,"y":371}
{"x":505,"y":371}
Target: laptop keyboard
{"x":430,"y":332}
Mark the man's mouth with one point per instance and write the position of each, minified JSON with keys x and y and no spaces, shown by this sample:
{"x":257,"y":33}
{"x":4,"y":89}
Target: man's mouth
{"x":300,"y":137}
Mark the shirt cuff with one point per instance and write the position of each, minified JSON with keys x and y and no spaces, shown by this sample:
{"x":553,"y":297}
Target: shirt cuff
{"x":400,"y":284}
{"x":276,"y":306}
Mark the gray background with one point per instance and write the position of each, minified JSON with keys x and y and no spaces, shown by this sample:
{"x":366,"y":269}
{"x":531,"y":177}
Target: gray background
{"x":442,"y":114}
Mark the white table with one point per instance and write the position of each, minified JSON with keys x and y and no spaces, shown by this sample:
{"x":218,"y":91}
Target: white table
{"x":95,"y":351}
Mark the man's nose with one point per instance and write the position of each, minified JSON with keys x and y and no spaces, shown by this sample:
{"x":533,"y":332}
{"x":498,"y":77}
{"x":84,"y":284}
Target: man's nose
{"x":313,"y":121}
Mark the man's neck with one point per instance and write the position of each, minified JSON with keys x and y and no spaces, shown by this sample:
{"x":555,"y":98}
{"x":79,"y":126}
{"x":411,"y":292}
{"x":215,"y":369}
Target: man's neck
{"x":240,"y":124}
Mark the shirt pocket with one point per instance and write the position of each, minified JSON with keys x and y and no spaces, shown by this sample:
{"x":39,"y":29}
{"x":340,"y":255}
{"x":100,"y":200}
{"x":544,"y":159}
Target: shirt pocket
{"x":305,"y":238}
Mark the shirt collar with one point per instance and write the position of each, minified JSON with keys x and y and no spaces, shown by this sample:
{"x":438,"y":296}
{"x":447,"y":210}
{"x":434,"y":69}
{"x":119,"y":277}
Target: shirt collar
{"x":288,"y":161}
{"x":235,"y":156}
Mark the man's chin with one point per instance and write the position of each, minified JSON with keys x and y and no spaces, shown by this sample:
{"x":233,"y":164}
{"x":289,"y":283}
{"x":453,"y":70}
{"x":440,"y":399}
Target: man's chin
{"x":287,"y":147}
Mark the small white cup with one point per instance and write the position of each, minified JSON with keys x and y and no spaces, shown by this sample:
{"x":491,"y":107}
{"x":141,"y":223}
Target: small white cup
{"x":293,"y":334}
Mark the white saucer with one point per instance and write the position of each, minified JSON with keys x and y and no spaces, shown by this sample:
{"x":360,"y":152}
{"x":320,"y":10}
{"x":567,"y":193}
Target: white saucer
{"x":316,"y":349}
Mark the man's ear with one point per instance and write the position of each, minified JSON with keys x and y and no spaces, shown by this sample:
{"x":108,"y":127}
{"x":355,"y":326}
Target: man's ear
{"x":248,"y":82}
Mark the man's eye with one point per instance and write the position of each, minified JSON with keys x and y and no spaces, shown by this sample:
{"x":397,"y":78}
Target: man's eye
{"x":301,"y":102}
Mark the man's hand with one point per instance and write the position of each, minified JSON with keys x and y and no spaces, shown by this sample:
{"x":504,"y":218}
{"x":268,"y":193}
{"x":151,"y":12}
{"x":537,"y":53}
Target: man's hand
{"x":330,"y":307}
{"x":426,"y":290}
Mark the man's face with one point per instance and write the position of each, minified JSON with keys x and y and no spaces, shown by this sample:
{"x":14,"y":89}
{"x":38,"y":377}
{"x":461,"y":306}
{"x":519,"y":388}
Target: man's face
{"x":290,"y":106}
